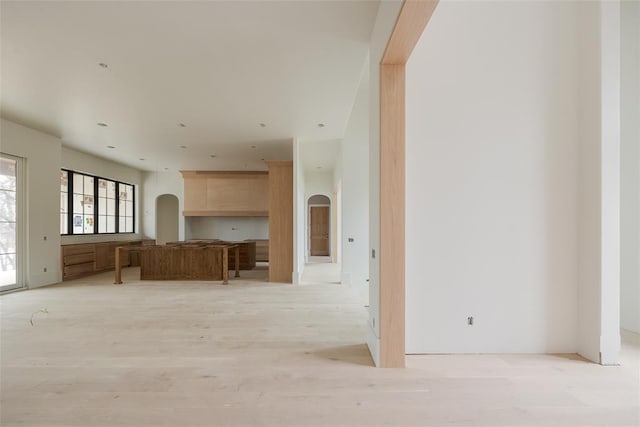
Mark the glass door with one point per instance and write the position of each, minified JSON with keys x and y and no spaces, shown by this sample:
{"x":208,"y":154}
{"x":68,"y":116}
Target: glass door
{"x":9,"y":186}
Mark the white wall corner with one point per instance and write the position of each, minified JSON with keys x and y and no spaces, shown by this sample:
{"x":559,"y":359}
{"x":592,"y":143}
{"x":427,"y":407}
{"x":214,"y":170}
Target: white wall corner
{"x":610,"y":182}
{"x":345,"y":278}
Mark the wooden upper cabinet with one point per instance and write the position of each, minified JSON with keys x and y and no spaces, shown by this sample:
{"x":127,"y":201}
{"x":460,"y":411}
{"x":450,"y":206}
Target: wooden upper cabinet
{"x":217,"y":193}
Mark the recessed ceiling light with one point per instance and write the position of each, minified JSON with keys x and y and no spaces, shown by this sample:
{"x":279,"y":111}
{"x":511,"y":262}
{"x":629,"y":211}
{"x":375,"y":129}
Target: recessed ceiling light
{"x":182,"y":125}
{"x":104,"y":125}
{"x":262,"y":125}
{"x":183,"y":146}
{"x":103,"y":65}
{"x":111,"y":146}
{"x":320,"y":125}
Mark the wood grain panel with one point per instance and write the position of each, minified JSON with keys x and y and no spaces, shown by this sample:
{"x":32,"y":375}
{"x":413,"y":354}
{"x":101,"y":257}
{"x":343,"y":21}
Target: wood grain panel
{"x":280,"y":221}
{"x":247,"y":252}
{"x":392,"y":215}
{"x":195,"y":191}
{"x":77,"y":270}
{"x":77,"y":249}
{"x":79,"y":258}
{"x":182,"y":262}
{"x":226,"y":193}
{"x":319,"y":228}
{"x":100,"y":256}
{"x":225,"y":213}
{"x":412,"y":20}
{"x":262,"y":250}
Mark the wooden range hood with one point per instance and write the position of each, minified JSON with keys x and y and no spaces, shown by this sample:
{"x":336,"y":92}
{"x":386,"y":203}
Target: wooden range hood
{"x":226,"y":193}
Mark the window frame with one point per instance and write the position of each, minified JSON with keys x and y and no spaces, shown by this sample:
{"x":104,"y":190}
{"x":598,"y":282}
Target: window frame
{"x":96,"y":207}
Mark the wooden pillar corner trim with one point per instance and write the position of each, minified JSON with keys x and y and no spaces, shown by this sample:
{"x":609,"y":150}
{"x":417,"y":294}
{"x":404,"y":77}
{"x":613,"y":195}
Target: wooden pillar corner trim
{"x":392,"y":215}
{"x":410,"y":24}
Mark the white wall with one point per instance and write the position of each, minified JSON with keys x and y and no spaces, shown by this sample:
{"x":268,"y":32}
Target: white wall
{"x":354,"y":175}
{"x":42,"y":154}
{"x":83,"y":162}
{"x":599,"y":181}
{"x":227,"y":228}
{"x":630,"y":157}
{"x":385,"y":20}
{"x":318,"y":183}
{"x":156,"y":184}
{"x":512,"y":180}
{"x":491,"y":180}
{"x":609,"y":206}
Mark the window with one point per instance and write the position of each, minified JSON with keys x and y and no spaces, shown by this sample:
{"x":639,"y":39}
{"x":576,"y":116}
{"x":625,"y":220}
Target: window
{"x":94,"y":205}
{"x":106,"y":206}
{"x":126,"y":208}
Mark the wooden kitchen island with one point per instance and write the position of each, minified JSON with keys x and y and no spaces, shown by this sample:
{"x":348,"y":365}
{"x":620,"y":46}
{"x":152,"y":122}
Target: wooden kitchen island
{"x":183,"y":261}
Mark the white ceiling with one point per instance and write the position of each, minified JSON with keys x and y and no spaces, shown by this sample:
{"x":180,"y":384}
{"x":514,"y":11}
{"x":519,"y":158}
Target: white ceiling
{"x":219,"y":67}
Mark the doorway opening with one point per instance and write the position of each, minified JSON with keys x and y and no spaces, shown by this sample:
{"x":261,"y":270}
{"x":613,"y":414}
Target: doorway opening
{"x":319,"y":267}
{"x":319,"y":220}
{"x":167,"y":216}
{"x":11,"y":231}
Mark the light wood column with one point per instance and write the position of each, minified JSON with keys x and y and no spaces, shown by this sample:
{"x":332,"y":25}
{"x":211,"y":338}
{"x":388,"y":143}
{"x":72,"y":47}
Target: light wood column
{"x":411,"y":22}
{"x":392,"y":215}
{"x":280,"y":221}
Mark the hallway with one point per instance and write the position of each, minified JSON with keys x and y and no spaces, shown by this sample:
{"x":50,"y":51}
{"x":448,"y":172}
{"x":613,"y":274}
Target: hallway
{"x":320,"y":269}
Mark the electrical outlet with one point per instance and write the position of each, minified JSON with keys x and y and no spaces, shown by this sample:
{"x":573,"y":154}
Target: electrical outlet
{"x":470,"y":320}
{"x":373,"y":253}
{"x":45,"y":269}
{"x":374,"y":323}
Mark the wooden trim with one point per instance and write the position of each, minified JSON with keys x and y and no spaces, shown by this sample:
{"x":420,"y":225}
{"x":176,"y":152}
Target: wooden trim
{"x":278,"y":162}
{"x":392,"y":215}
{"x":412,"y":20}
{"x":220,"y":174}
{"x":225,"y":213}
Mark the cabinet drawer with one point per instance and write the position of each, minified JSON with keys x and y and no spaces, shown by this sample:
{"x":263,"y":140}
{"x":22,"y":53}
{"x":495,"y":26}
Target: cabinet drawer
{"x":74,"y":270}
{"x":77,"y":249}
{"x":79,"y":259}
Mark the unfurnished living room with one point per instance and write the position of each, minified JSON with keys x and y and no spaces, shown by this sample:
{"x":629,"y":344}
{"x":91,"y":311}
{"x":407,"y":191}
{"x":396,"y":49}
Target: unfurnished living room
{"x":320,"y":213}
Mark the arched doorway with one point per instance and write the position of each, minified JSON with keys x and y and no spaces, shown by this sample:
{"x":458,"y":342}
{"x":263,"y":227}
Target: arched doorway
{"x":319,"y":230}
{"x":167,"y":217}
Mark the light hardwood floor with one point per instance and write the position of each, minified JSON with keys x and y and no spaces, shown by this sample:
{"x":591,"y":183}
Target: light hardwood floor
{"x":253,"y":354}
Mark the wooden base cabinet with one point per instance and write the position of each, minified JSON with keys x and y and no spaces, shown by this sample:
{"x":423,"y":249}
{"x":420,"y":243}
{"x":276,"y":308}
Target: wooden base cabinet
{"x":84,"y":259}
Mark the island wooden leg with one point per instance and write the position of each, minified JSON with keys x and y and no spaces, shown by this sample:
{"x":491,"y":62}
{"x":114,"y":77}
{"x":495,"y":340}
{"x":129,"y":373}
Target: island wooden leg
{"x":225,"y":266}
{"x":118,"y":267}
{"x":237,"y":261}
